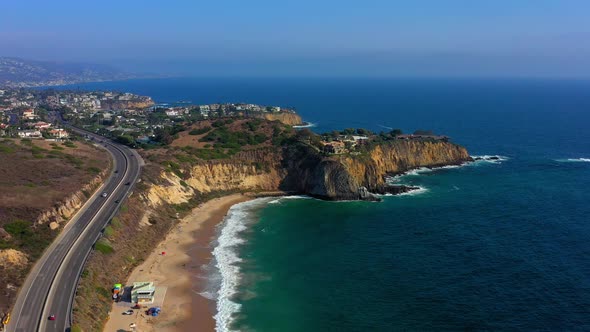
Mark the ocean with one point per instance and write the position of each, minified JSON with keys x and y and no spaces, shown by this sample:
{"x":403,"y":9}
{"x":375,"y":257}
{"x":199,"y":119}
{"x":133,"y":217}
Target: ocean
{"x":496,"y":245}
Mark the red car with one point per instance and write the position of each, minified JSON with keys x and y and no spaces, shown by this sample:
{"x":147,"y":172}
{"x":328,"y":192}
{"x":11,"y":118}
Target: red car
{"x":52,"y":317}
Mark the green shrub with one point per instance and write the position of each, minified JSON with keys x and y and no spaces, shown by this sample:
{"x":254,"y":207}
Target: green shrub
{"x":94,"y":170}
{"x":115,"y":222}
{"x":6,"y":149}
{"x":199,"y":131}
{"x":103,"y":246}
{"x":108,"y":231}
{"x":69,"y":144}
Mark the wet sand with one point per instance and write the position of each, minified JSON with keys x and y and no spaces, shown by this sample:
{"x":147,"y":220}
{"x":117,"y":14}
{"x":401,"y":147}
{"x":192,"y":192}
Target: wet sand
{"x":187,"y":249}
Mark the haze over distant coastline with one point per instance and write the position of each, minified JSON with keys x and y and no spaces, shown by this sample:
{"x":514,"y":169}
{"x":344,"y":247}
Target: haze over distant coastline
{"x":18,"y":72}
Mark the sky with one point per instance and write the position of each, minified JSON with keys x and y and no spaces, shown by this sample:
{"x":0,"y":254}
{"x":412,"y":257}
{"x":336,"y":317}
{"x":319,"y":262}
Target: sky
{"x":438,"y":38}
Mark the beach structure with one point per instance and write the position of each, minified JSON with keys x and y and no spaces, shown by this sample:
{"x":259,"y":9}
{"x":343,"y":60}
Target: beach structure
{"x":143,"y":292}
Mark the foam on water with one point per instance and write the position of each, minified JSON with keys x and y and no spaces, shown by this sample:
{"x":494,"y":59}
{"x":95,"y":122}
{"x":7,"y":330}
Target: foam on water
{"x":226,"y":259}
{"x":414,"y":192}
{"x":307,"y":125}
{"x":574,"y":160}
{"x":496,"y":159}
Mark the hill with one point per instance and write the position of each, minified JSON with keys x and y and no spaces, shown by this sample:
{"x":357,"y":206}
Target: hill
{"x":42,"y":184}
{"x":17,"y":72}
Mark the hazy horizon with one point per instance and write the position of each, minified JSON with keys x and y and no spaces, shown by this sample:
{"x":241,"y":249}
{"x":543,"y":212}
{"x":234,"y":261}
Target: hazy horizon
{"x":545,"y":38}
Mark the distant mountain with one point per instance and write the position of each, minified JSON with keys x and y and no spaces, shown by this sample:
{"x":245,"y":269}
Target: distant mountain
{"x":16,"y":72}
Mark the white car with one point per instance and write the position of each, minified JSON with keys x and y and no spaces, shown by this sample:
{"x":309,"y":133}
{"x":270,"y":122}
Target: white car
{"x":104,"y":194}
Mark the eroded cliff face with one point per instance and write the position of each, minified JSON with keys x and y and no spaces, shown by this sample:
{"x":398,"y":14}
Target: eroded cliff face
{"x":302,"y":169}
{"x":213,"y":177}
{"x":126,"y":104}
{"x":64,"y":210}
{"x":341,"y":177}
{"x":291,"y":119}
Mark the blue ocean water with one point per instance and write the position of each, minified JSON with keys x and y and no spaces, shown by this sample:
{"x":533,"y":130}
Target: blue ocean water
{"x":499,"y":246}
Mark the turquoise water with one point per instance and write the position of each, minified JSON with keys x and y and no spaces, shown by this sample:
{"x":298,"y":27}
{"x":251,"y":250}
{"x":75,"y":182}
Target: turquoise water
{"x":488,"y":246}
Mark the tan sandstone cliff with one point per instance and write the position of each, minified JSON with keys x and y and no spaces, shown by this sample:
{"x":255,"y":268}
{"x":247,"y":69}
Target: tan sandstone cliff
{"x":302,"y":169}
{"x":291,"y":119}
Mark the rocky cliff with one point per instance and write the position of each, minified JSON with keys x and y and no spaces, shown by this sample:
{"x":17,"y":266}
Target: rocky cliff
{"x":127,"y":104}
{"x":302,"y":169}
{"x":341,"y":177}
{"x":291,"y":119}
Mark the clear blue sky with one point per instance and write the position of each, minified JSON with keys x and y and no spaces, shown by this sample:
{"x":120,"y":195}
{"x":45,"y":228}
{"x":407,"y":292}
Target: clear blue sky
{"x":320,"y":37}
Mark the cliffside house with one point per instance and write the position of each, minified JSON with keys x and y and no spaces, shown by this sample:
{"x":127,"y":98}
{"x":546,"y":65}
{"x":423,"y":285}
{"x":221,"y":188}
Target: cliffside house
{"x":41,"y":125}
{"x":334,"y":147}
{"x":29,"y":114}
{"x":29,"y":133}
{"x":59,"y":133}
{"x":143,"y":292}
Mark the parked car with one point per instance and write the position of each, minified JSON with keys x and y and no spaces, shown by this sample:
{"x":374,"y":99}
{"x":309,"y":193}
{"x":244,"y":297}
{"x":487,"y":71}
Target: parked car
{"x":128,"y":312}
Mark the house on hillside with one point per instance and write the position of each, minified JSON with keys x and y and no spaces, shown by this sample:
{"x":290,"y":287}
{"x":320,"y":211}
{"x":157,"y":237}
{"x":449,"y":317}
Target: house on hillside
{"x":59,"y":133}
{"x":29,"y":133}
{"x":29,"y":114}
{"x":41,"y":125}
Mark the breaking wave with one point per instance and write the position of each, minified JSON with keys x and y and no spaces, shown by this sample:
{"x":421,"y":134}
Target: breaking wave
{"x":574,"y":160}
{"x":226,"y":259}
{"x":306,"y":125}
{"x":496,"y":159}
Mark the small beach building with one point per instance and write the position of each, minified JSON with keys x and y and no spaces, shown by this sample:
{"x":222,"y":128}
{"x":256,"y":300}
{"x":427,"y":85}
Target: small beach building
{"x":143,"y":292}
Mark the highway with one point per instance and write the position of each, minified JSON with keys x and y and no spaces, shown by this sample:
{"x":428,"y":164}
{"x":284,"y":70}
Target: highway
{"x":51,"y":285}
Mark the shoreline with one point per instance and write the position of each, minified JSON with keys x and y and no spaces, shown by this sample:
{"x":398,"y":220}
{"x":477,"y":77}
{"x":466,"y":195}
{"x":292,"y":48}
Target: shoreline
{"x":180,"y":270}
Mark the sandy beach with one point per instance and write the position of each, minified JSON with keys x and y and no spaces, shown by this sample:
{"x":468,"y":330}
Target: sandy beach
{"x":179,"y":274}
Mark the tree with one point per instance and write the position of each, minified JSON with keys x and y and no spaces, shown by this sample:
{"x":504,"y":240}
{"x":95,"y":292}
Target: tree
{"x":396,"y":132}
{"x":126,"y":140}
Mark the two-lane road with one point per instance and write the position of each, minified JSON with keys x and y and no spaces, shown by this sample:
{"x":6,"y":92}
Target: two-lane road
{"x":50,"y":287}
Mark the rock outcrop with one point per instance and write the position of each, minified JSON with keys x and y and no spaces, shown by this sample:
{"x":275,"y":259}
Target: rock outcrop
{"x":288,"y":118}
{"x":341,"y":177}
{"x":302,"y":169}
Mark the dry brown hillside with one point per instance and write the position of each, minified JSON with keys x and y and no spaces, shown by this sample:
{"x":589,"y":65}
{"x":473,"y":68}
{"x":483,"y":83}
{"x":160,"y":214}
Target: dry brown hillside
{"x":41,"y":184}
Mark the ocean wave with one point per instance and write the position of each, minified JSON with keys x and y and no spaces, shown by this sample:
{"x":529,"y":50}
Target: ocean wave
{"x":226,"y":259}
{"x":414,"y":192}
{"x":496,"y":159}
{"x":306,"y":125}
{"x":574,"y":160}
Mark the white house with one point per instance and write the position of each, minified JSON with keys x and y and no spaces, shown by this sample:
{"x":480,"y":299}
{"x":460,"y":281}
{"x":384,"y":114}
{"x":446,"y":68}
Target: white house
{"x":29,"y":133}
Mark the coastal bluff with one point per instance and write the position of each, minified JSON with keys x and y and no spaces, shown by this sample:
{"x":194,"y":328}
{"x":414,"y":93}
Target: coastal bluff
{"x":346,"y":177}
{"x":288,"y":118}
{"x":303,"y":169}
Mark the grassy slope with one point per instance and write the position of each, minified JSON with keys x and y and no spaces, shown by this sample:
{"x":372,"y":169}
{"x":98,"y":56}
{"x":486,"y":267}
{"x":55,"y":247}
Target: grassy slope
{"x":34,"y":176}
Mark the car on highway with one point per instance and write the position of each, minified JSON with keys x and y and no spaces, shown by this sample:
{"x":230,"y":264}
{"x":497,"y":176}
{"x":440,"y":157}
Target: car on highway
{"x":128,"y":312}
{"x":118,"y":201}
{"x":116,"y":171}
{"x":52,"y":317}
{"x":128,"y":183}
{"x":104,"y":195}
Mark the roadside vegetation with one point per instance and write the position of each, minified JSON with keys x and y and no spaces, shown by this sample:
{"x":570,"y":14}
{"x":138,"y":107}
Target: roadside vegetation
{"x":37,"y":177}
